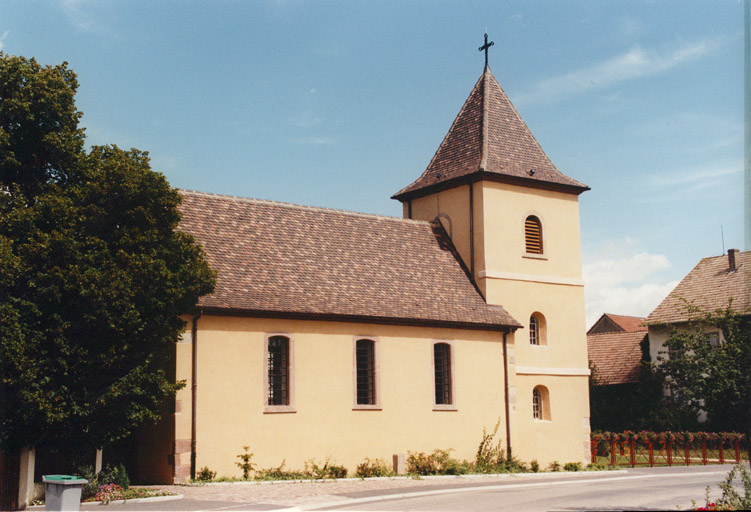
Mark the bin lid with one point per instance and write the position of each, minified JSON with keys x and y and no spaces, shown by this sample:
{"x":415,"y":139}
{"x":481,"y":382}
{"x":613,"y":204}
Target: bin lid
{"x":64,"y":479}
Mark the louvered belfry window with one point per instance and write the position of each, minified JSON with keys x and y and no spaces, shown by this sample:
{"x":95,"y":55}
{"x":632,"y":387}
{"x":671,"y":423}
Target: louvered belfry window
{"x":278,"y":368}
{"x":442,"y":360}
{"x":533,"y":235}
{"x":365,"y":356}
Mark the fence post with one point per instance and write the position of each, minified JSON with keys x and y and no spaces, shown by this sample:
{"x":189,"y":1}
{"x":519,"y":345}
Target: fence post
{"x":651,"y":455}
{"x":612,"y":453}
{"x":704,"y":451}
{"x":737,"y":450}
{"x":722,"y":450}
{"x":632,"y":452}
{"x":670,"y":452}
{"x":687,"y":452}
{"x":593,"y":450}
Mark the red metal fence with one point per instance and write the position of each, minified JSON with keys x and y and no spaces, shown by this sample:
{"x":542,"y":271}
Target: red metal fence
{"x":665,"y":448}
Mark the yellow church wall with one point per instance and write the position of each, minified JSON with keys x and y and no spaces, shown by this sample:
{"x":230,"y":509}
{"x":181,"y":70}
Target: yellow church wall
{"x":450,"y":206}
{"x":504,"y":210}
{"x":564,"y":435}
{"x":231,"y":393}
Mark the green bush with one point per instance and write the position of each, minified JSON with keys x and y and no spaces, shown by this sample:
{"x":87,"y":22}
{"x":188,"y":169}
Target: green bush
{"x":313,"y":470}
{"x":245,"y":464}
{"x":573,"y":466}
{"x":439,"y":462}
{"x":535,"y":466}
{"x":554,"y":466}
{"x":205,"y":475}
{"x":373,"y":468}
{"x":109,"y":475}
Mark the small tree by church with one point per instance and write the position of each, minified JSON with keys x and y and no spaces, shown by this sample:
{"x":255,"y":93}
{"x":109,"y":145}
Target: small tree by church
{"x":93,"y":272}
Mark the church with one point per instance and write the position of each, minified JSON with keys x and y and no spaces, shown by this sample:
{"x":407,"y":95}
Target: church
{"x":340,"y":336}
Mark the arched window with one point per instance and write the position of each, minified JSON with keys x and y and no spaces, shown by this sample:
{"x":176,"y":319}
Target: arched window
{"x":442,"y":364}
{"x":366,"y":378}
{"x":537,"y":329}
{"x":540,"y":403}
{"x":533,"y":235}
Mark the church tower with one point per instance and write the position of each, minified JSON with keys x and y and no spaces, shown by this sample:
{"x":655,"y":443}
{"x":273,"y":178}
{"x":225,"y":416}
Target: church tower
{"x":514,"y":220}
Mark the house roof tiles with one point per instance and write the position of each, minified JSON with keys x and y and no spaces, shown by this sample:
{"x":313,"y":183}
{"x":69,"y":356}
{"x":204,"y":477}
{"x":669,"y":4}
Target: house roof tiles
{"x":616,"y":355}
{"x":710,"y":287}
{"x":489,"y":139}
{"x":282,"y":259}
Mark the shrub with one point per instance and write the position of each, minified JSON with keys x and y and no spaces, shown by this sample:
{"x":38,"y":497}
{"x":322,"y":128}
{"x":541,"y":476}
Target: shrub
{"x":279,"y":473}
{"x":573,"y":466}
{"x":108,"y":493}
{"x":313,"y":470}
{"x":554,"y":466}
{"x":245,"y":464}
{"x":439,"y":462}
{"x":535,"y":466}
{"x":109,"y":475}
{"x":489,"y":456}
{"x":205,"y":475}
{"x":373,"y":468}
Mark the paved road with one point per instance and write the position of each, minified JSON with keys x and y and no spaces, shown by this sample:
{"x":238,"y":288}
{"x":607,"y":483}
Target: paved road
{"x":634,"y":489}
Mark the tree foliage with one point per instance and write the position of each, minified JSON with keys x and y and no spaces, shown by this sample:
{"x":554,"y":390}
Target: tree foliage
{"x":715,"y":379}
{"x":93,"y":272}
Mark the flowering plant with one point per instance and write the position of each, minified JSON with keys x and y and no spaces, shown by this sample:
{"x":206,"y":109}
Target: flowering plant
{"x":109,"y":492}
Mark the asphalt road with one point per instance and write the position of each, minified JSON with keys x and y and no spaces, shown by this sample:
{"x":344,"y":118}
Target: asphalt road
{"x":634,"y":489}
{"x":637,"y":489}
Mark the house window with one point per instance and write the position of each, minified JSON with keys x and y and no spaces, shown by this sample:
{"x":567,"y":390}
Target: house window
{"x":366,"y":375}
{"x":533,"y":235}
{"x":540,"y":403}
{"x":442,"y":366}
{"x":537,"y":329}
{"x":278,"y":371}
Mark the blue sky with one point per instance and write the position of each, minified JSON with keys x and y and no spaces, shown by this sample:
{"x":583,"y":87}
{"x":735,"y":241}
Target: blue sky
{"x":341,"y":104}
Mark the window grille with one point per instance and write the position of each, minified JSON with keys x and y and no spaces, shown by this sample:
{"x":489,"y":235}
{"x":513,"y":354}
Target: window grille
{"x":365,"y":357}
{"x":534,"y":331}
{"x":442,"y":359}
{"x":536,"y":404}
{"x":278,"y":368}
{"x":533,"y":235}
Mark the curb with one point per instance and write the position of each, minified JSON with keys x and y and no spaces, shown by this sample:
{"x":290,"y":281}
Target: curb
{"x":151,"y":499}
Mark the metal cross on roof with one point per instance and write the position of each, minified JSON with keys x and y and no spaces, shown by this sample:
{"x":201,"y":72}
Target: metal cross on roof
{"x":485,"y":47}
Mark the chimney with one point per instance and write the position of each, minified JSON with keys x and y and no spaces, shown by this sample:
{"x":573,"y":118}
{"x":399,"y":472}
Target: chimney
{"x":732,"y":255}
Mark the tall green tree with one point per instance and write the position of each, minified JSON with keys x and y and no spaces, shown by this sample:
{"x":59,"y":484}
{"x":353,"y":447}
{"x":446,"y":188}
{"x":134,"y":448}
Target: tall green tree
{"x":716,"y":379}
{"x":94,"y":273}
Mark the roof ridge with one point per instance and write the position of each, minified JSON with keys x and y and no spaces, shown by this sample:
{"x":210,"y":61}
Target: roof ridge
{"x":457,"y":118}
{"x":484,"y":131}
{"x":322,"y":209}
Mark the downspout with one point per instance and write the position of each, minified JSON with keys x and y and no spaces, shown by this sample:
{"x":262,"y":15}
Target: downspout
{"x":194,"y":394}
{"x":471,"y":230}
{"x":506,"y":398}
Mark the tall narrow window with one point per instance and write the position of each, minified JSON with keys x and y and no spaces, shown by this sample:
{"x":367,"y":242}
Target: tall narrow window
{"x":533,"y":235}
{"x":365,"y":360}
{"x":278,"y":371}
{"x":442,"y":362}
{"x":540,"y":403}
{"x":536,"y":404}
{"x":534,"y":331}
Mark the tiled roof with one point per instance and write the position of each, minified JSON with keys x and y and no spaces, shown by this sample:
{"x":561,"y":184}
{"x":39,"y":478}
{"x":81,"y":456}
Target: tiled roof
{"x":617,"y":323}
{"x":617,"y":356}
{"x":709,"y":286}
{"x":489,"y":139}
{"x":282,"y":259}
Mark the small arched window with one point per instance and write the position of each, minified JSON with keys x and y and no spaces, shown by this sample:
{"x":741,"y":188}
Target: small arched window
{"x":540,"y":403}
{"x":534,"y":331}
{"x":533,"y":235}
{"x":537,"y":329}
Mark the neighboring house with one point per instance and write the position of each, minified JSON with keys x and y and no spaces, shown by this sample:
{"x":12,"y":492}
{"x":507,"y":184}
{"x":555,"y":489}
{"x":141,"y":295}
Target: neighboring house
{"x":710,"y":286}
{"x":343,"y":335}
{"x":616,"y":345}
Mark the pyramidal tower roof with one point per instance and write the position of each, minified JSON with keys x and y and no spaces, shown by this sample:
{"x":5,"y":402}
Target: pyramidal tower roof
{"x":489,"y":140}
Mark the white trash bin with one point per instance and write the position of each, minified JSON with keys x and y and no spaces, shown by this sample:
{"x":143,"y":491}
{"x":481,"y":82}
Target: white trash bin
{"x":62,"y":492}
